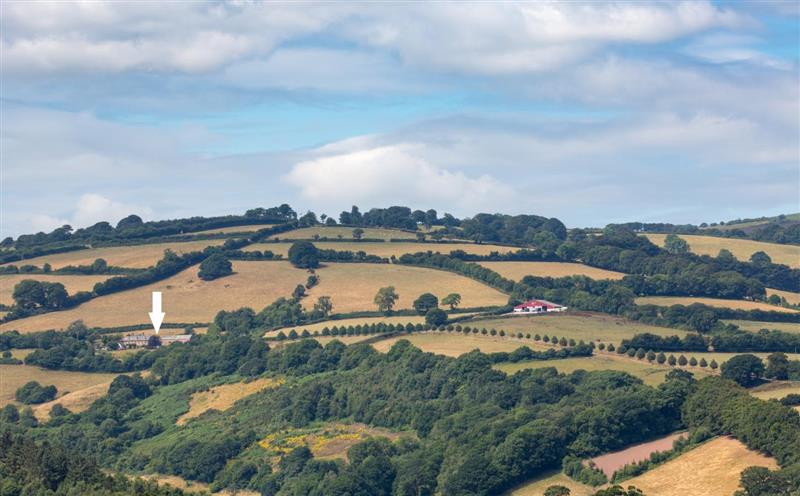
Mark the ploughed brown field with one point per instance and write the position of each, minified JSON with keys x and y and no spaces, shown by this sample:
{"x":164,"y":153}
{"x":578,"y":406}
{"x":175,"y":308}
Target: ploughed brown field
{"x":138,"y":256}
{"x":72,"y":284}
{"x":611,"y":462}
{"x":517,"y":270}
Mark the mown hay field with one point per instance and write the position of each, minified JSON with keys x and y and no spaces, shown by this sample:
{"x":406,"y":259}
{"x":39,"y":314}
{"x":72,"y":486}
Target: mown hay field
{"x":345,"y":233}
{"x":791,"y":298}
{"x":776,"y":390}
{"x":136,"y":256}
{"x":741,"y":248}
{"x":224,"y":396}
{"x":386,"y":250}
{"x":231,"y":229}
{"x":712,"y":302}
{"x":711,"y":469}
{"x":517,"y":270}
{"x":756,"y":325}
{"x":452,"y":344}
{"x":539,"y":486}
{"x":587,"y":326}
{"x":352,"y":287}
{"x":186,"y":298}
{"x":392,"y":319}
{"x":650,"y":374}
{"x":15,"y":376}
{"x":74,"y":401}
{"x":73,"y":284}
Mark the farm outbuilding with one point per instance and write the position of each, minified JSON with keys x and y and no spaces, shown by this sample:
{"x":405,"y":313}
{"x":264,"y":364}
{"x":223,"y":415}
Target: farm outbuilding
{"x":538,"y":306}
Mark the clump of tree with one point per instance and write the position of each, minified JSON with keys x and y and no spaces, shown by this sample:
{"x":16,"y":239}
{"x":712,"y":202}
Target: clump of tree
{"x":746,"y":370}
{"x":386,"y":298}
{"x":34,"y":393}
{"x":214,"y":267}
{"x":304,"y":255}
{"x":425,"y":302}
{"x":435,"y":317}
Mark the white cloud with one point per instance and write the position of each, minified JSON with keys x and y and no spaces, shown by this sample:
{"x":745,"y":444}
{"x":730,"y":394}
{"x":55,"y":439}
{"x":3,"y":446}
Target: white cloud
{"x":382,"y":175}
{"x":92,"y":208}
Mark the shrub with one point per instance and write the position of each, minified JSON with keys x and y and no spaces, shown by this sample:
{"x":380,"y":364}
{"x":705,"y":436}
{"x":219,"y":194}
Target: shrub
{"x":33,"y":393}
{"x":304,"y":254}
{"x":215,"y":266}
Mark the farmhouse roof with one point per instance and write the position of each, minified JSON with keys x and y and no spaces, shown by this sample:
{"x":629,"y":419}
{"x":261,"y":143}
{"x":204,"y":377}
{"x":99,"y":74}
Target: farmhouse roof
{"x":538,"y":303}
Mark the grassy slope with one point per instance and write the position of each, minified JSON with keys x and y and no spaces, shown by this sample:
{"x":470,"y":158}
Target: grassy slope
{"x":345,"y":233}
{"x":138,"y":256}
{"x":755,"y":326}
{"x":741,"y":248}
{"x":711,"y":469}
{"x":186,"y":298}
{"x":73,"y":284}
{"x":352,"y":287}
{"x":518,"y":270}
{"x":14,"y":376}
{"x":712,"y":302}
{"x":792,"y":298}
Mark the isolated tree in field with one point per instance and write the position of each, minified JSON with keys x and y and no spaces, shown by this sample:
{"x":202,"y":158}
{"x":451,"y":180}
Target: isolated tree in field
{"x":299,"y":291}
{"x":713,"y":364}
{"x":425,"y":302}
{"x":747,"y":370}
{"x":323,"y":306}
{"x":693,"y":362}
{"x":661,"y":358}
{"x":703,"y":363}
{"x":215,"y":266}
{"x":453,"y":300}
{"x":640,"y":353}
{"x":777,"y":366}
{"x":672,"y":361}
{"x":557,"y":491}
{"x":682,"y":361}
{"x":676,"y":245}
{"x":436,"y":317}
{"x":386,"y":299}
{"x":760,"y":258}
{"x":358,"y":233}
{"x":33,"y":393}
{"x":304,"y":255}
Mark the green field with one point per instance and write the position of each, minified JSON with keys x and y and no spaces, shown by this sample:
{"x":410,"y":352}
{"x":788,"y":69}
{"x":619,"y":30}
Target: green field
{"x":576,"y":325}
{"x":651,"y":374}
{"x":755,"y":326}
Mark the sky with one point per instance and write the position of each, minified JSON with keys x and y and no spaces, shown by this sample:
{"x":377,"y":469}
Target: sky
{"x":590,"y":112}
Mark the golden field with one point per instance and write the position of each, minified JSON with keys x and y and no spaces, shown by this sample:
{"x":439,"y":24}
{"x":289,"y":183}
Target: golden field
{"x":588,"y":326}
{"x":73,"y":284}
{"x":755,"y":326}
{"x":232,"y":229}
{"x":712,"y":302}
{"x":775,"y":390}
{"x":352,"y":287}
{"x":454,"y":344}
{"x":137,"y":256}
{"x":15,"y":376}
{"x":186,"y":298}
{"x":651,"y":374}
{"x":741,"y":248}
{"x":539,"y":486}
{"x":391,"y":319}
{"x":345,"y":233}
{"x":517,"y":270}
{"x":386,"y":250}
{"x":74,"y":401}
{"x":711,"y":469}
{"x":223,"y":397}
{"x":791,"y":298}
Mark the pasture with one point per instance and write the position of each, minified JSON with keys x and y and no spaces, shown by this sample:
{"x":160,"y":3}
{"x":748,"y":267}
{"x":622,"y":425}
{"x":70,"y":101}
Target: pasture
{"x":224,"y":396}
{"x":73,"y":284}
{"x":741,"y":248}
{"x":137,"y":256}
{"x":386,"y":250}
{"x":392,"y":319}
{"x":775,"y":390}
{"x":14,"y":376}
{"x":336,"y":232}
{"x":576,"y":325}
{"x":755,"y":325}
{"x":74,"y":401}
{"x":711,"y":469}
{"x":517,"y":270}
{"x":666,"y":301}
{"x":186,"y":298}
{"x":352,"y":287}
{"x":539,"y":486}
{"x":650,"y":374}
{"x":453,"y":344}
{"x":231,"y":229}
{"x":791,"y":298}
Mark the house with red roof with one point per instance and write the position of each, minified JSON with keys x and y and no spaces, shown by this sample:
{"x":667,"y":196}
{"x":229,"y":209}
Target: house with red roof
{"x":538,"y":306}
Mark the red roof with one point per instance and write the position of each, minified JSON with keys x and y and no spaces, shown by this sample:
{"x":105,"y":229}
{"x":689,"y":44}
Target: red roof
{"x":538,"y":303}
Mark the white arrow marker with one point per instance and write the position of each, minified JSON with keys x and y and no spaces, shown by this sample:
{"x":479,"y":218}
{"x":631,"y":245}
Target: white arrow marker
{"x":157,"y":316}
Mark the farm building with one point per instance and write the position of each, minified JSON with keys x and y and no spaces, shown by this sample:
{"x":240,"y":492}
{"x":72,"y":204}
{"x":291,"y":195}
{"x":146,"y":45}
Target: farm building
{"x":538,"y":306}
{"x":144,"y":340}
{"x":178,"y":338}
{"x":134,"y":341}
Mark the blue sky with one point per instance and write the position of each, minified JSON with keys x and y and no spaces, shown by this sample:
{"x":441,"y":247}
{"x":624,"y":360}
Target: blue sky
{"x":593,"y":113}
